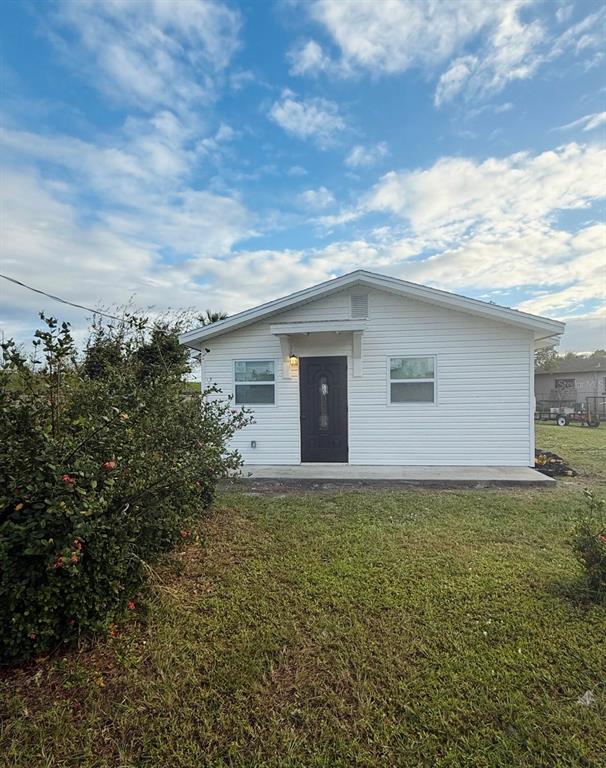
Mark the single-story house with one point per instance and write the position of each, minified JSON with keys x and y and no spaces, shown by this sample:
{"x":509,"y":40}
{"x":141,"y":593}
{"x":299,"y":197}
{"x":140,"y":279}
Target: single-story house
{"x":572,"y":380}
{"x":371,"y":370}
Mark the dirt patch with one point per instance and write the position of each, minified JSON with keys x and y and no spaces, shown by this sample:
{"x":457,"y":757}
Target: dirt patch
{"x":552,"y":465}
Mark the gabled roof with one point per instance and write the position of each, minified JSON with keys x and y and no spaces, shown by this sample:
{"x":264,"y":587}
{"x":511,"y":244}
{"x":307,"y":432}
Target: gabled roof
{"x":543,"y":327}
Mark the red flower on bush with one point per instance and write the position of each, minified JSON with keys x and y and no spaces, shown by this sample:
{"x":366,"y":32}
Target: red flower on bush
{"x":108,"y":466}
{"x":78,"y":544}
{"x":68,"y":479}
{"x":74,"y":558}
{"x":602,"y":537}
{"x":184,"y":534}
{"x":131,"y":605}
{"x":58,"y":562}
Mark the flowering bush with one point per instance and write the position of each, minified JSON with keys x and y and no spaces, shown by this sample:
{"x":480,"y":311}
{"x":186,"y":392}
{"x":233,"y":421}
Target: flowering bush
{"x":103,"y":463}
{"x":589,"y":543}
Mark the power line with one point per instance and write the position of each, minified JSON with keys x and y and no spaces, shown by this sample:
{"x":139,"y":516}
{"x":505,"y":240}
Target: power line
{"x":58,"y":298}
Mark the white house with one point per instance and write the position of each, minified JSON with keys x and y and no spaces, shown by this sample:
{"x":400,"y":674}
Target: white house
{"x":370,"y":370}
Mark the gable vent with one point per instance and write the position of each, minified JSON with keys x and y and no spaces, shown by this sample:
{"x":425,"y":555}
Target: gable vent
{"x":359,"y":306}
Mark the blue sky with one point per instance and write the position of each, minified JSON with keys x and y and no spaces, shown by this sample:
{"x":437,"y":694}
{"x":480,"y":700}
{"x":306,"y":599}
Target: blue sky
{"x":207,"y":154}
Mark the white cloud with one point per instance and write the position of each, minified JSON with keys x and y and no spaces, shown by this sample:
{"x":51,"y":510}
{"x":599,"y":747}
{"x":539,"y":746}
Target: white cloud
{"x":585,"y":333}
{"x":466,"y":225}
{"x":457,"y":195}
{"x":239,"y":80}
{"x":45,"y":245}
{"x":509,"y":53}
{"x":393,"y":35}
{"x":583,"y":274}
{"x":146,"y":164}
{"x":49,"y":244}
{"x":588,"y":122}
{"x":595,"y":121}
{"x":364,"y":157}
{"x":112,"y":218}
{"x":316,"y":199}
{"x":484,"y":46}
{"x":309,"y":58}
{"x":563,"y":13}
{"x":150,"y":53}
{"x":315,"y":118}
{"x":126,"y":211}
{"x":460,"y":224}
{"x":455,"y":78}
{"x":296,"y":170}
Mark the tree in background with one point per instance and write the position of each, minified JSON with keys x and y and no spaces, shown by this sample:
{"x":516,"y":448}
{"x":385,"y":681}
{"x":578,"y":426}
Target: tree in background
{"x":209,"y":317}
{"x":545,"y":359}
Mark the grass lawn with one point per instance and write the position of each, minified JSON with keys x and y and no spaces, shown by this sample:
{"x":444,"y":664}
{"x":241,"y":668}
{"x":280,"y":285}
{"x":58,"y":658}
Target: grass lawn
{"x":582,"y":447}
{"x":357,"y":629}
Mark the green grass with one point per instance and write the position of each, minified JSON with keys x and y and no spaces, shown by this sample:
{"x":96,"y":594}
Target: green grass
{"x":583,"y":448}
{"x":358,"y":629}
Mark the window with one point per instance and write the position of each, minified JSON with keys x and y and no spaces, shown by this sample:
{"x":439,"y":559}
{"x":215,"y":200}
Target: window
{"x":564,"y":383}
{"x":254,"y":382}
{"x":412,"y":379}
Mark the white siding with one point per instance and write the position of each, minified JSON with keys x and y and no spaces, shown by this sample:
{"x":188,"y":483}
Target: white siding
{"x":483,"y":409}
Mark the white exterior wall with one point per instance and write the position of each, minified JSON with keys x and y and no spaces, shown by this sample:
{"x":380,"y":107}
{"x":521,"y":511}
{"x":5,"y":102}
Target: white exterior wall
{"x":483,"y":413}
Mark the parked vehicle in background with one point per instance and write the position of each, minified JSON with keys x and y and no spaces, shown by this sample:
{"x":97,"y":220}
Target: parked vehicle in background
{"x":587,"y":413}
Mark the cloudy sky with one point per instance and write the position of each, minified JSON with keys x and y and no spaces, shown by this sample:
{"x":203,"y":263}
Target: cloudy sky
{"x":203,"y":154}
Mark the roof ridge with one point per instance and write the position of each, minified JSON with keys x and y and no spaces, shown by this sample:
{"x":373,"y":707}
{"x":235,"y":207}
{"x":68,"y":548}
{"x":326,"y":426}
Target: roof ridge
{"x":374,"y":279}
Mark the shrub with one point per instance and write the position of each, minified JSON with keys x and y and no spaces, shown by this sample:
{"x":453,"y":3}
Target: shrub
{"x":589,"y":543}
{"x":102,"y":463}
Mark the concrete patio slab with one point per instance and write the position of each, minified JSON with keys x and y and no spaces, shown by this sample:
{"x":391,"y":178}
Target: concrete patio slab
{"x":261,"y":477}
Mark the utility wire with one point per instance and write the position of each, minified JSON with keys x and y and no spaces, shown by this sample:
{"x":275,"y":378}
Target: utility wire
{"x":57,"y":298}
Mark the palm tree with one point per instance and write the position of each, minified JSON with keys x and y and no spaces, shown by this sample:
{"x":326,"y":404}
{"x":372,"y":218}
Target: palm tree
{"x":208,"y":317}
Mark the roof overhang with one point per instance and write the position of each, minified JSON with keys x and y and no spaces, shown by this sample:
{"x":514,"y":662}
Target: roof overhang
{"x":542,"y":327}
{"x":317,"y":326}
{"x":542,"y":342}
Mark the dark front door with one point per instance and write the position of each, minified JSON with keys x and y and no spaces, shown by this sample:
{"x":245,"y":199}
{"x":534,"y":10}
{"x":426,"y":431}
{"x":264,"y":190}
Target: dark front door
{"x":323,"y":393}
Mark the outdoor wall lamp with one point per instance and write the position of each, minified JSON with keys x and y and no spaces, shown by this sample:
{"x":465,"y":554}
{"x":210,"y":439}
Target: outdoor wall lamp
{"x":293,"y":360}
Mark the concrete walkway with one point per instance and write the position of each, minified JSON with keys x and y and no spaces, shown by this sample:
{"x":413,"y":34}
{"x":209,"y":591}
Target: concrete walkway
{"x":275,"y":476}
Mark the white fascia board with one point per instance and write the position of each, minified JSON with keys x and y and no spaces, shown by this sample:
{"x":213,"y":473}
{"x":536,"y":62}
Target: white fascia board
{"x":462,"y":303}
{"x":381,"y":282}
{"x":317,"y":326}
{"x":270,"y":308}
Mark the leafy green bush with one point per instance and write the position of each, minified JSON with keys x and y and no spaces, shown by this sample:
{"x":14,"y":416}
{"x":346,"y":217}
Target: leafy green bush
{"x":103,"y":462}
{"x":589,"y":543}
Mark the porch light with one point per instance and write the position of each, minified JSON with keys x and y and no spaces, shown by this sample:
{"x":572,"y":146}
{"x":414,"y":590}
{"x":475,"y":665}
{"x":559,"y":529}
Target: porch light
{"x":293,"y":360}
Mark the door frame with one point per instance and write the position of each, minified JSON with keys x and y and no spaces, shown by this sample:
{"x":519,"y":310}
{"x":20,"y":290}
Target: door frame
{"x":345,"y":357}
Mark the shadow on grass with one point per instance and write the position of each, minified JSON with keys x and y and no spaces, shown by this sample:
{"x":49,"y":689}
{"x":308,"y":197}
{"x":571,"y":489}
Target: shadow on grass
{"x":577,"y":592}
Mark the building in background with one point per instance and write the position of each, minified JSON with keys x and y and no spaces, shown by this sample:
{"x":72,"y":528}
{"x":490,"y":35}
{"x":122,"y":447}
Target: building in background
{"x":572,"y":380}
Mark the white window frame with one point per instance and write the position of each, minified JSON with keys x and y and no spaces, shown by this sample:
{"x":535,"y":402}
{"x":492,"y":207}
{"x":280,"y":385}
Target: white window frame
{"x":257,"y":359}
{"x":412,"y":403}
